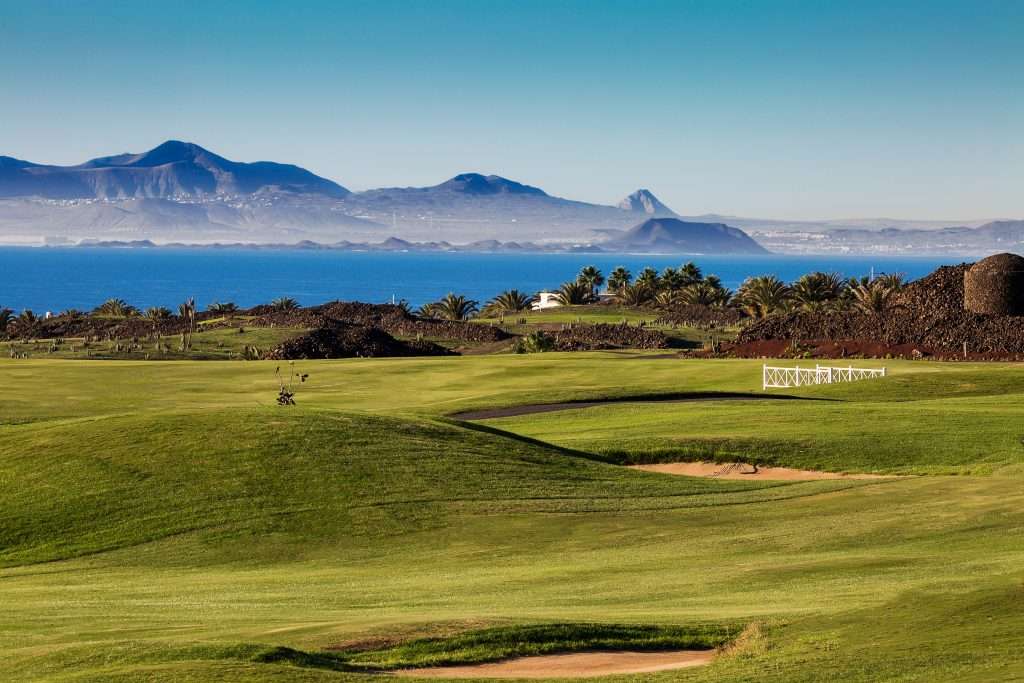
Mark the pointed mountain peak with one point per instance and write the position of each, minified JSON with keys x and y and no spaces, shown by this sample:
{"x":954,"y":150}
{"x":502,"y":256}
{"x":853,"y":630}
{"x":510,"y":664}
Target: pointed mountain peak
{"x":478,"y":184}
{"x":170,"y":152}
{"x":644,"y":201}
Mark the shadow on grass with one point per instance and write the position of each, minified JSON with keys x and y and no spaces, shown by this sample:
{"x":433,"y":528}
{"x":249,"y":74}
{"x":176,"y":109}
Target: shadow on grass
{"x":680,"y":397}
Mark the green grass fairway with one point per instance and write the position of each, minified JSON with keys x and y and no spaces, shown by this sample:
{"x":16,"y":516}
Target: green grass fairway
{"x":165,"y":521}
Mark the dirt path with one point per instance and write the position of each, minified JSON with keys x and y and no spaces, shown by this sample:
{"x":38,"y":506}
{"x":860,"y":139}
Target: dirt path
{"x":575,"y":665}
{"x":531,"y":409}
{"x":737,"y":470}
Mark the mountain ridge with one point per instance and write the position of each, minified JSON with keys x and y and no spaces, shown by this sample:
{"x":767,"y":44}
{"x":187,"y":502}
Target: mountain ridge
{"x":182,"y":192}
{"x":171,"y":169}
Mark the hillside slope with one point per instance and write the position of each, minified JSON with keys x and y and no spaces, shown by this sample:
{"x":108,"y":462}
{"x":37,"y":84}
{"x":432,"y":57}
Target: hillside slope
{"x":674,"y":236}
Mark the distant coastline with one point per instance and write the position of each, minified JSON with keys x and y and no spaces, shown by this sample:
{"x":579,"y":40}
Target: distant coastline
{"x":392,"y":244}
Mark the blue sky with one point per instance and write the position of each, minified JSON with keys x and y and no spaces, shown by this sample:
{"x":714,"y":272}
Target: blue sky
{"x":787,"y":109}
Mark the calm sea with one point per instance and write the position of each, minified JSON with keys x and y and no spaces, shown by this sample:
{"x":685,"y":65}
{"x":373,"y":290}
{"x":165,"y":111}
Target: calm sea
{"x":53,"y":279}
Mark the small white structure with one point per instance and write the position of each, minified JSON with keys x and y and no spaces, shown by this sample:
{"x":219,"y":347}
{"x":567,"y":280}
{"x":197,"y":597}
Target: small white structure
{"x":545,"y":300}
{"x":783,"y":378}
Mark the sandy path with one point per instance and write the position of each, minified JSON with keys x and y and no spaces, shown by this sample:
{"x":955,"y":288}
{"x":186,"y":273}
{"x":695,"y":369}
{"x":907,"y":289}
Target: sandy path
{"x":735,"y":470}
{"x":575,"y":665}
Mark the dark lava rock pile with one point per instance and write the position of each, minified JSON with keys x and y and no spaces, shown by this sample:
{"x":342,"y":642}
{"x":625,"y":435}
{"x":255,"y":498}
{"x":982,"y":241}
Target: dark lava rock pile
{"x":604,"y":336}
{"x":390,"y":318}
{"x":94,"y":327}
{"x":700,"y":316}
{"x":341,"y":340}
{"x":927,"y":317}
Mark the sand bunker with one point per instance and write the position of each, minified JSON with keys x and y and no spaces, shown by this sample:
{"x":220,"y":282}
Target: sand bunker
{"x":737,"y":470}
{"x":574,"y":665}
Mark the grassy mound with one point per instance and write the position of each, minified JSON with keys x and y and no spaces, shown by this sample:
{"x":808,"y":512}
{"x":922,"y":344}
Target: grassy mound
{"x":271,"y":483}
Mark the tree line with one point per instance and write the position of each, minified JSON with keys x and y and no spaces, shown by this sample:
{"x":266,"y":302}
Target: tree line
{"x":758,"y":297}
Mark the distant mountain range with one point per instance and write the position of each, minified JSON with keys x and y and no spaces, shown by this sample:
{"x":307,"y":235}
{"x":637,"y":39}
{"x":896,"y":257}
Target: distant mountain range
{"x":181,"y":192}
{"x":171,"y":170}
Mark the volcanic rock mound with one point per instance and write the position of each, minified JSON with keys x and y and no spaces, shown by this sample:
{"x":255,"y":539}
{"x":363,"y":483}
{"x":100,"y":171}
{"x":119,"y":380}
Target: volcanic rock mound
{"x":340,"y":340}
{"x":927,"y":317}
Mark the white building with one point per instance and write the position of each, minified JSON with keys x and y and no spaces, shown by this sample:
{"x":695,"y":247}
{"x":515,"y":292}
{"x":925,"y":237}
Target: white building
{"x":545,"y":300}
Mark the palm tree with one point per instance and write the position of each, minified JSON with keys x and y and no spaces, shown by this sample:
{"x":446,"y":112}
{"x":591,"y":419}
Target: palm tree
{"x":636,"y":294}
{"x":890,"y":281}
{"x":187,"y":311}
{"x":455,"y":307}
{"x":116,"y":308}
{"x":591,"y":277}
{"x":284,"y":304}
{"x":691,"y":273}
{"x":666,"y":297}
{"x":705,"y":294}
{"x":428,"y":311}
{"x":223,"y":308}
{"x":672,"y":280}
{"x":509,"y":301}
{"x":619,"y":278}
{"x":155,"y":313}
{"x":818,"y":290}
{"x":574,"y":294}
{"x":6,"y":317}
{"x":874,"y":296}
{"x":649,"y":278}
{"x":26,"y":324}
{"x":870,"y":298}
{"x":763,"y":295}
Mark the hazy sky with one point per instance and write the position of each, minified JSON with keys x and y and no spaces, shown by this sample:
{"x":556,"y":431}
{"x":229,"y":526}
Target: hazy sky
{"x":810,"y":109}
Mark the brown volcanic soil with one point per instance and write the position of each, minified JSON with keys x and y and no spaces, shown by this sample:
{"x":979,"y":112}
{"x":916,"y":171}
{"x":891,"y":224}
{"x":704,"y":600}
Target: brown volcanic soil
{"x":927,"y":318}
{"x":573,"y":665}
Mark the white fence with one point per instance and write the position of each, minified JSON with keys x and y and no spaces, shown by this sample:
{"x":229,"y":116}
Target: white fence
{"x":781,"y":378}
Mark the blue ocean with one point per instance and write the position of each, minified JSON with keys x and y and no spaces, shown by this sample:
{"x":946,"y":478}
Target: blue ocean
{"x":54,"y":279}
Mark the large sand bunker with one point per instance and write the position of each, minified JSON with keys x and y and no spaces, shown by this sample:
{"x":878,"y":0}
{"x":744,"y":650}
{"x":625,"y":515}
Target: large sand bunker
{"x":574,"y":665}
{"x":737,"y":470}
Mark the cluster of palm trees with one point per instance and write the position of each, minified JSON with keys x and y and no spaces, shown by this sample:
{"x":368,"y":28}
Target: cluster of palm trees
{"x":119,"y":308}
{"x":767,"y":295}
{"x":452,"y":307}
{"x":672,"y":286}
{"x":759,"y":296}
{"x":26,"y":323}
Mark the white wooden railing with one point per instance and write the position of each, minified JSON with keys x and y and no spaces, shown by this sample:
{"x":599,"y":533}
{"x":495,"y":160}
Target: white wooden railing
{"x":781,"y":378}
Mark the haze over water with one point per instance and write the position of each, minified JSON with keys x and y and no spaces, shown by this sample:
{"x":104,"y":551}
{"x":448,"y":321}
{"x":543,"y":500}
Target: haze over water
{"x":55,"y":279}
